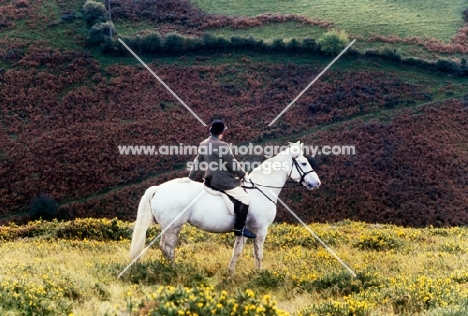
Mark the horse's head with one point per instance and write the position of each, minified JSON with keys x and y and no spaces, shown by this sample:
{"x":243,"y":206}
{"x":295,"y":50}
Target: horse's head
{"x":301,"y":170}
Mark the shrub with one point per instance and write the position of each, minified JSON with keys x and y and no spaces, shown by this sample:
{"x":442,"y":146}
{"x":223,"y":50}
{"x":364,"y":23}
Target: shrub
{"x":151,"y":42}
{"x":94,"y":12}
{"x":174,"y":42}
{"x":278,"y":45}
{"x":378,"y":240}
{"x":98,"y":32}
{"x":222,"y":42}
{"x":267,"y":279}
{"x":193,"y":43}
{"x":216,"y":42}
{"x":22,"y":4}
{"x":448,"y":66}
{"x":293,"y":46}
{"x":310,"y":45}
{"x":208,"y":40}
{"x":44,"y":207}
{"x":333,"y":42}
{"x":113,"y":47}
{"x":420,"y":62}
{"x":372,"y":52}
{"x":95,"y":35}
{"x":391,"y":53}
{"x":34,"y":293}
{"x":205,"y":301}
{"x":250,"y":42}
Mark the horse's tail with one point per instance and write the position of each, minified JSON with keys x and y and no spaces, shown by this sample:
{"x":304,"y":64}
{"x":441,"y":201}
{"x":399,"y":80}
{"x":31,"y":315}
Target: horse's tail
{"x":143,"y":221}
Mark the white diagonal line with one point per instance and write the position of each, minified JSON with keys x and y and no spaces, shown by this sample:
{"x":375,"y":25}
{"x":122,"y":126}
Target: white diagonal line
{"x":157,"y":237}
{"x":313,"y":81}
{"x":316,"y":237}
{"x":162,"y":82}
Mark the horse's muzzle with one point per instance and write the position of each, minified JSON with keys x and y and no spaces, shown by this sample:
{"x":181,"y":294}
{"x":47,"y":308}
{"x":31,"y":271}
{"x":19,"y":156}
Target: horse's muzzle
{"x":311,"y":186}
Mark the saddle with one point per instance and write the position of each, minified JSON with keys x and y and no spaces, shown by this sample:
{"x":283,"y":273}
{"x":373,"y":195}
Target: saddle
{"x":228,"y":200}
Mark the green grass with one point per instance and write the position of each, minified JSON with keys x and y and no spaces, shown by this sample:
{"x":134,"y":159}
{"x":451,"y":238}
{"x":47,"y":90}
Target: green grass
{"x":402,"y":271}
{"x":432,"y":18}
{"x":270,"y":32}
{"x":65,"y":35}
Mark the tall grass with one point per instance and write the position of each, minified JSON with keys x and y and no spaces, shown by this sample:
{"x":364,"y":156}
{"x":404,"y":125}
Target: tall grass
{"x":55,"y":268}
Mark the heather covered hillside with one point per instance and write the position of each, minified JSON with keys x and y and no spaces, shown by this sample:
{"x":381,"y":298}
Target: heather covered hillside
{"x":70,"y":95}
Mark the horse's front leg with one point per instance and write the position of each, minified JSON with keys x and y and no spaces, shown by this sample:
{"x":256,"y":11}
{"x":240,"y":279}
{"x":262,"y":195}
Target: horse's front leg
{"x":258,"y":247}
{"x":238,"y":246}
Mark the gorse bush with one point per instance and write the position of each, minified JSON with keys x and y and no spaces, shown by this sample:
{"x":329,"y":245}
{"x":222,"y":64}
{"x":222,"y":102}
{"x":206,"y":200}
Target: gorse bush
{"x":333,"y":42}
{"x":378,"y":240}
{"x":48,"y":293}
{"x":78,"y":229}
{"x":171,"y":300}
{"x":41,"y":274}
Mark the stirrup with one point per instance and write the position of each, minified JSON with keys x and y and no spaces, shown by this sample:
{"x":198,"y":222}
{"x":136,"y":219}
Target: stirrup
{"x":244,"y":232}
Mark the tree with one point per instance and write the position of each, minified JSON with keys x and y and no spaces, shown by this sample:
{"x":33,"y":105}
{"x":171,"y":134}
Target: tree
{"x":94,"y":12}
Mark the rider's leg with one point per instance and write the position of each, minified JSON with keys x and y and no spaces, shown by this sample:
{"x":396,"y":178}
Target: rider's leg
{"x":241,"y":209}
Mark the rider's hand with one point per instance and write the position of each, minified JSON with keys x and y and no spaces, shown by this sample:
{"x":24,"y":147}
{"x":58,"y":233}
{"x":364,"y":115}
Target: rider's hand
{"x":246,"y":178}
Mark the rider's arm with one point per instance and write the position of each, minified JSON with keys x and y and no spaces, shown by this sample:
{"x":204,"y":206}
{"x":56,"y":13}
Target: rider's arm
{"x":196,"y":162}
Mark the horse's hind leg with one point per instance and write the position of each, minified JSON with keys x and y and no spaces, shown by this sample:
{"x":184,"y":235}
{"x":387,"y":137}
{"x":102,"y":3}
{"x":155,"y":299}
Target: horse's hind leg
{"x":169,"y":242}
{"x":258,"y":247}
{"x":238,"y":246}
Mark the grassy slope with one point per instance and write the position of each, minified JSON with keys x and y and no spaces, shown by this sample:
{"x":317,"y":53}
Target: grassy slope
{"x":424,"y":265}
{"x":71,"y":36}
{"x":431,"y":18}
{"x":66,"y":35}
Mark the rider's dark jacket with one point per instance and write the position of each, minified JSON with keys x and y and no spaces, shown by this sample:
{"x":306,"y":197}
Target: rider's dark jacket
{"x":222,"y":170}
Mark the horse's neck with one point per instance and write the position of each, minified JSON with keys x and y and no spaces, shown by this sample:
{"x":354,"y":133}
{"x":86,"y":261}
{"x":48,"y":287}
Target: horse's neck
{"x":273,"y":180}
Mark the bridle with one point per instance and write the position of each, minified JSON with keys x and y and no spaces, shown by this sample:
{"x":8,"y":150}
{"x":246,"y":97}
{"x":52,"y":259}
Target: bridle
{"x":301,"y":172}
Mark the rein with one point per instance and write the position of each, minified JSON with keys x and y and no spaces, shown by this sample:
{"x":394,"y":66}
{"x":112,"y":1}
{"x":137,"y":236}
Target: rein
{"x":298,"y":168}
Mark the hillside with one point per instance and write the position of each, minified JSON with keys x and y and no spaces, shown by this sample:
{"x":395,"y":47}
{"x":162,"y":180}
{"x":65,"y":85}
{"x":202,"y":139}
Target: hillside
{"x":399,"y":96}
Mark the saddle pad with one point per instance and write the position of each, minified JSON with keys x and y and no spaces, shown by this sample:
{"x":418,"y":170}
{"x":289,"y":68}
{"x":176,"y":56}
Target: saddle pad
{"x":226,"y":199}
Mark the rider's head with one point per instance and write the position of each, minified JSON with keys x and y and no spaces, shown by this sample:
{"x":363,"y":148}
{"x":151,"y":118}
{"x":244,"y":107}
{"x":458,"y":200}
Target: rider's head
{"x":217,"y":128}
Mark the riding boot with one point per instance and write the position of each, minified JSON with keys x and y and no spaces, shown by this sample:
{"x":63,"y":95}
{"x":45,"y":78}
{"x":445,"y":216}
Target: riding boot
{"x":241,"y":210}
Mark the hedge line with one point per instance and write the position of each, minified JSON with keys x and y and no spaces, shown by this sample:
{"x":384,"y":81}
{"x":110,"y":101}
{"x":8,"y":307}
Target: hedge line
{"x":173,"y":43}
{"x":176,"y":44}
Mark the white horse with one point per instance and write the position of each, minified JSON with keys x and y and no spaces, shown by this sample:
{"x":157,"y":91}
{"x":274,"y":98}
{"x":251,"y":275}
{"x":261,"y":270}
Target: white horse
{"x":210,"y":213}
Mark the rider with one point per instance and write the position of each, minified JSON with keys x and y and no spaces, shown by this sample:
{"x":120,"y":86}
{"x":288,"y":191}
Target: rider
{"x":226,"y":176}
